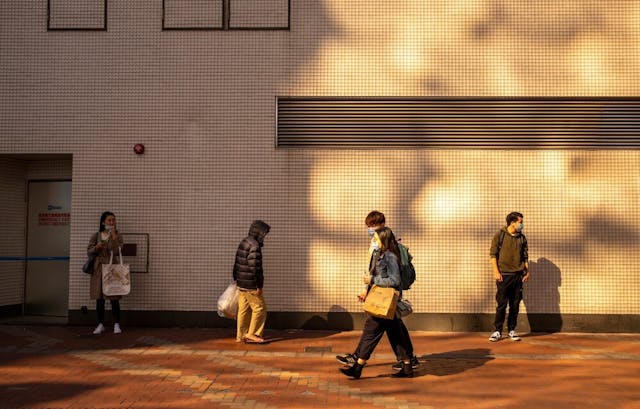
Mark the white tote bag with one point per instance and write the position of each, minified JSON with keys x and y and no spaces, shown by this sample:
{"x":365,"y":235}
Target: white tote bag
{"x":228,"y":302}
{"x":116,"y":279}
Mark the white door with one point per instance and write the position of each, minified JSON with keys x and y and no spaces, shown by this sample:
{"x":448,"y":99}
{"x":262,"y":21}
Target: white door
{"x":48,"y":234}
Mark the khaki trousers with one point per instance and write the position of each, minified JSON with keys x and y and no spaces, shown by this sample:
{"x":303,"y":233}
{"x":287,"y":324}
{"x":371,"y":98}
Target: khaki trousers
{"x":252,"y":314}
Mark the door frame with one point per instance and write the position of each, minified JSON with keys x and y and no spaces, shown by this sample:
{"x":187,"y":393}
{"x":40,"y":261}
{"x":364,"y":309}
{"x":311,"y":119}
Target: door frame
{"x":26,"y":244}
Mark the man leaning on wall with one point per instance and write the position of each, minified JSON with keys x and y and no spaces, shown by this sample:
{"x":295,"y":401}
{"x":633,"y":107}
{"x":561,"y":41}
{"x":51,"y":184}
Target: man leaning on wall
{"x":510,"y":264}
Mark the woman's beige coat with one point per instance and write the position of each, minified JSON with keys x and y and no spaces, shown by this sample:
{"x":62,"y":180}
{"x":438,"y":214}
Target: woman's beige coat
{"x":95,"y":289}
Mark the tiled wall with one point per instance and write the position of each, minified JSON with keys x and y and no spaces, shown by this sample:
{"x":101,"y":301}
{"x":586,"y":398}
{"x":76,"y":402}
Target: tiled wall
{"x":203,"y":103}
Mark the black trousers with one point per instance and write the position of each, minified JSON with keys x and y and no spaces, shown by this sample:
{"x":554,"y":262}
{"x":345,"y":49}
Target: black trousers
{"x":509,"y":294}
{"x":372,"y":333}
{"x":115,"y":310}
{"x":405,"y":332}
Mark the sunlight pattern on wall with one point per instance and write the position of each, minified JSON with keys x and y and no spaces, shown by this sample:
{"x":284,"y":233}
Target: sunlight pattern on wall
{"x":580,"y":206}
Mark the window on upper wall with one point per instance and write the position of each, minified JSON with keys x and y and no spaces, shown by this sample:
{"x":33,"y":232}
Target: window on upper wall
{"x":226,"y":14}
{"x":77,"y":15}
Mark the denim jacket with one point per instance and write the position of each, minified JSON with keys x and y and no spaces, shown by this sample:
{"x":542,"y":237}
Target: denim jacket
{"x":387,"y":271}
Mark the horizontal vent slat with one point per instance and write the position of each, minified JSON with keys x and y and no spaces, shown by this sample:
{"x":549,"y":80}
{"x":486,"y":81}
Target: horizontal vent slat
{"x":458,"y":122}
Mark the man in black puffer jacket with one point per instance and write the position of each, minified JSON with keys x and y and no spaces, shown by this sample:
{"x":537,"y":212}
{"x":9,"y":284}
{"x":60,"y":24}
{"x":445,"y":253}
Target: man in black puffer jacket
{"x":249,"y":277}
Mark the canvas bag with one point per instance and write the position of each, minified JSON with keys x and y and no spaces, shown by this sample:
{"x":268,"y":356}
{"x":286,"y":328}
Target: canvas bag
{"x":381,"y":302}
{"x":116,"y":279}
{"x":228,"y":302}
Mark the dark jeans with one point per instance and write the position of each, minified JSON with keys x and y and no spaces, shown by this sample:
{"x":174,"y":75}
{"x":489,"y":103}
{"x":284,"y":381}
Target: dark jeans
{"x":405,"y":333}
{"x":115,"y":310}
{"x":509,"y":293}
{"x":372,"y":333}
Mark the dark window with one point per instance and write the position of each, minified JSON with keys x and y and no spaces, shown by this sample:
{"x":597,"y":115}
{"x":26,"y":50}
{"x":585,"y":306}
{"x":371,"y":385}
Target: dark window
{"x":225,"y":14}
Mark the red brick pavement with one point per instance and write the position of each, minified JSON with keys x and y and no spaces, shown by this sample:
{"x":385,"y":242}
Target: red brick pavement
{"x":67,"y":367}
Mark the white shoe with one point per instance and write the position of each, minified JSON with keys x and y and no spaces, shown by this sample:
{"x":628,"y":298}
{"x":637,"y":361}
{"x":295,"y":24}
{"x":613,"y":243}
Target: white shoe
{"x":116,"y":328}
{"x":495,"y":336}
{"x":99,"y":329}
{"x":514,"y":335}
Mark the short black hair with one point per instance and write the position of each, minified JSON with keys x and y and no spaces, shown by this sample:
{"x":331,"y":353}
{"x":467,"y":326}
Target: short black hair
{"x":513,"y":217}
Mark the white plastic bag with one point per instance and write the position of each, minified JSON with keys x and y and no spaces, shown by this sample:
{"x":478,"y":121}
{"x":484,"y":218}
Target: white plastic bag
{"x":228,"y":302}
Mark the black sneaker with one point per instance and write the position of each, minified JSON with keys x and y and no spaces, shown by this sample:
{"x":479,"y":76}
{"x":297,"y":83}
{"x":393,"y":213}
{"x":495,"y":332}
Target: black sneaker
{"x":347,"y":359}
{"x":414,"y":364}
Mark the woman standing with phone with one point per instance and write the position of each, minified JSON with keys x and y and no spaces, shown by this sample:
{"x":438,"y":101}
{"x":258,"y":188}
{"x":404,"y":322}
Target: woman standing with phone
{"x":105,"y":243}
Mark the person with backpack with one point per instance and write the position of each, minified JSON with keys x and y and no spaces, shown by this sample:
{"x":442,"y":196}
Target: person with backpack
{"x":374,"y":221}
{"x":510,"y":264}
{"x":385,"y":274}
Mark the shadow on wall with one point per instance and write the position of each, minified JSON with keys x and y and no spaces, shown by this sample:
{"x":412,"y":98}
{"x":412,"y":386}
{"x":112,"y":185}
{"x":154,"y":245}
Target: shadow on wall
{"x":338,"y":318}
{"x":542,"y":296}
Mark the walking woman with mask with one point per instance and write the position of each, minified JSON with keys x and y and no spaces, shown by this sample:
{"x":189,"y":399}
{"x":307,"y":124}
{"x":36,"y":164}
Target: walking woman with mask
{"x":103,"y":244}
{"x":385,"y":274}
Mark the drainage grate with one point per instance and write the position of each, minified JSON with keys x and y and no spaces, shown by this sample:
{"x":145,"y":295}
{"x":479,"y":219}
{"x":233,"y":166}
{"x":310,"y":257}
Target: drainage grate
{"x":317,"y":349}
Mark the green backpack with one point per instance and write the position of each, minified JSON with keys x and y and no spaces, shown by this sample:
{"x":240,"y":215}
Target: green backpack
{"x":407,"y":271}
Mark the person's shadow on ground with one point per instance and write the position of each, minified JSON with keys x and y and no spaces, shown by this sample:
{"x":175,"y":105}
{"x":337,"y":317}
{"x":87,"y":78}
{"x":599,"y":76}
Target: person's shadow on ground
{"x":453,"y":362}
{"x":450,"y":363}
{"x":541,"y":296}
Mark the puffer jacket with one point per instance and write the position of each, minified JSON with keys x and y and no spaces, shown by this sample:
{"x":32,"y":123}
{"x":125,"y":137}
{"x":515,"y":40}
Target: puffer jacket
{"x":247,"y":270}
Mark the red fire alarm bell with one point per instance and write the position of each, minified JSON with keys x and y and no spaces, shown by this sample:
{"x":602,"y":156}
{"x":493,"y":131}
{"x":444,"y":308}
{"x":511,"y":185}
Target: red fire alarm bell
{"x":138,"y":148}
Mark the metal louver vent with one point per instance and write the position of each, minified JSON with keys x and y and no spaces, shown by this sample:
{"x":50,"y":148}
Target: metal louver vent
{"x":458,"y":122}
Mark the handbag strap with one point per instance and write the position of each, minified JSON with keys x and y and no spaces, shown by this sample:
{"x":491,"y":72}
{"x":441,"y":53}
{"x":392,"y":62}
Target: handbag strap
{"x":121,"y":258}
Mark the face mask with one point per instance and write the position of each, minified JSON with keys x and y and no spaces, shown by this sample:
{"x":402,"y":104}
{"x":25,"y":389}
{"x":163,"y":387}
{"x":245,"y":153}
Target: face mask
{"x":520,"y":227}
{"x":107,"y":227}
{"x":371,"y":231}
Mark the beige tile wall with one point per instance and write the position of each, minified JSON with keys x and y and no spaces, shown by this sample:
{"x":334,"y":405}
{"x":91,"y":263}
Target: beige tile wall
{"x":203,"y":103}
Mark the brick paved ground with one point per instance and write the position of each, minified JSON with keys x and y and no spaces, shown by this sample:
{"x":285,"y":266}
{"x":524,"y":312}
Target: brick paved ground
{"x":66,"y":367}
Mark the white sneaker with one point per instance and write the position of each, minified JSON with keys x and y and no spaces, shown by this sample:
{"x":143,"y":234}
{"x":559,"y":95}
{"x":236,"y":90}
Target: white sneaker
{"x":99,"y":329}
{"x":116,"y":328}
{"x":495,"y":336}
{"x":514,"y":335}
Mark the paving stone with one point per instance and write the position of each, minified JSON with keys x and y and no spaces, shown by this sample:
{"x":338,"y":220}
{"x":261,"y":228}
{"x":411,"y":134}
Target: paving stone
{"x":201,"y":368}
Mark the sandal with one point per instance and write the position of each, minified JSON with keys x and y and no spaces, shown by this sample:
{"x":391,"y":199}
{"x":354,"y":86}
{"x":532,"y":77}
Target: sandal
{"x":254,"y":340}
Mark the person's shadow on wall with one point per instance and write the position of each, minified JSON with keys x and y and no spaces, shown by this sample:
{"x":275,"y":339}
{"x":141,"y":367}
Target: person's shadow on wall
{"x":542,"y":296}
